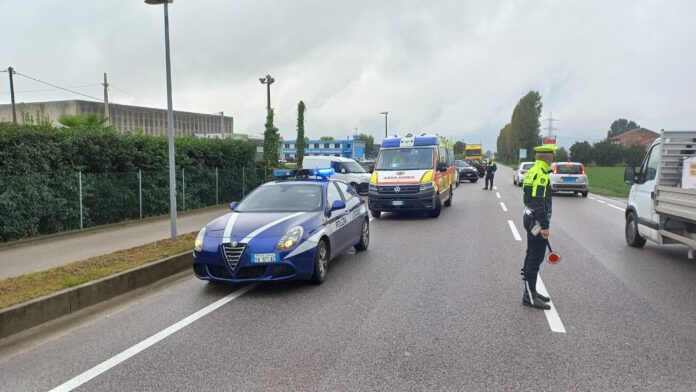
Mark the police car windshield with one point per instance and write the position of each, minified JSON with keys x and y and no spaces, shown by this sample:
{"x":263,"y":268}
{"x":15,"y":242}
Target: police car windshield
{"x":405,"y":159}
{"x":284,"y":197}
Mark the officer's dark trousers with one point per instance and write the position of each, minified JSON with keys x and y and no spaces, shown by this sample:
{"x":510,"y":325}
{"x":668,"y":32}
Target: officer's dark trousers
{"x":489,"y":178}
{"x":536,"y":250}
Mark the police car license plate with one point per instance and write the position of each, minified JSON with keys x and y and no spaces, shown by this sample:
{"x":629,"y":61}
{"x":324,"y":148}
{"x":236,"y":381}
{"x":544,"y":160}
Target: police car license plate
{"x":397,"y":202}
{"x":264,"y":258}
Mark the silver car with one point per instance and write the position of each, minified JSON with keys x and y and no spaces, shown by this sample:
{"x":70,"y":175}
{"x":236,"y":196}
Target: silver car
{"x":518,"y":175}
{"x":569,"y":177}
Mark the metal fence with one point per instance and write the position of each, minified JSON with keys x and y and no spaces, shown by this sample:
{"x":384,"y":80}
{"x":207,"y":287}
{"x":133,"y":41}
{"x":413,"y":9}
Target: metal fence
{"x":45,"y":203}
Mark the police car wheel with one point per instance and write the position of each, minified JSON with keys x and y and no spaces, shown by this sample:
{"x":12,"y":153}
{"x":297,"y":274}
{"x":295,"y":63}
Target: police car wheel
{"x":321,"y":262}
{"x":434,"y":213}
{"x":364,"y":236}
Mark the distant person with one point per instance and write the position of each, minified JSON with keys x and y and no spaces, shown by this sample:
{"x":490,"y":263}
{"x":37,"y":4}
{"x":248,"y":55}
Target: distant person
{"x":536,"y":219}
{"x":490,"y":173}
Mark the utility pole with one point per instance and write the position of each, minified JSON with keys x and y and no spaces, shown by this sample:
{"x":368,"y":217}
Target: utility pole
{"x":106,"y":100}
{"x":550,"y":128}
{"x":386,"y":114}
{"x":10,"y":70}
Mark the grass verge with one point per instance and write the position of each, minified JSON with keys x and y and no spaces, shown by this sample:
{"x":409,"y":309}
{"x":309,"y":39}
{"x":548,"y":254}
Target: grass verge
{"x":36,"y":284}
{"x":607,"y":181}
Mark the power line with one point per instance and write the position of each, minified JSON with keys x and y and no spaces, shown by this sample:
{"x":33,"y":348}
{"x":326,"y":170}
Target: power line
{"x":58,"y":87}
{"x":50,"y":89}
{"x":133,"y":96}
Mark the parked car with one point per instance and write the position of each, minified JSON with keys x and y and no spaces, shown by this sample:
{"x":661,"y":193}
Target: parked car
{"x":569,"y":177}
{"x":466,"y":171}
{"x":518,"y":175}
{"x":346,"y":169}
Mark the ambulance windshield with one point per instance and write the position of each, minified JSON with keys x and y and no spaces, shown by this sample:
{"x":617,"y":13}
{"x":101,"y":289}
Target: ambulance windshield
{"x":406,"y":159}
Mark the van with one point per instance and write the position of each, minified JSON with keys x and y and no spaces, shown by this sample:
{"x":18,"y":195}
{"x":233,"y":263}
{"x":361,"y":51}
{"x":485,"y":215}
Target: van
{"x":347,"y":170}
{"x":413,"y":173}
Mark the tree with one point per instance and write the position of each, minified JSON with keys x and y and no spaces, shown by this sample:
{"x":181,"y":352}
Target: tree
{"x":89,"y":121}
{"x":633,"y":155}
{"x":459,"y":148}
{"x":271,"y":141}
{"x":620,"y":126}
{"x":326,"y":138}
{"x":581,"y":152}
{"x":299,"y":142}
{"x":369,"y":144}
{"x":562,"y":155}
{"x":525,"y":122}
{"x":506,"y":151}
{"x":606,"y":153}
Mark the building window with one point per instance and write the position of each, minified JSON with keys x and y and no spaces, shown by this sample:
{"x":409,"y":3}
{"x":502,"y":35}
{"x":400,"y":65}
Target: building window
{"x":287,"y":145}
{"x":348,"y":145}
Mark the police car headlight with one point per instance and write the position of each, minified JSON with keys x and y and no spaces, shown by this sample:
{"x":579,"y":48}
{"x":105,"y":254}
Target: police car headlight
{"x":290,"y":238}
{"x":424,"y":186}
{"x":198,"y":243}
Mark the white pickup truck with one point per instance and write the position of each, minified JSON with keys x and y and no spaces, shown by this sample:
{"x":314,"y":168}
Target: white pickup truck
{"x":661,"y":208}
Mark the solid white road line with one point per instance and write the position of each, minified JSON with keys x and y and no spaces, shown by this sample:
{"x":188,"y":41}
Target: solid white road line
{"x":503,"y":206}
{"x":128,"y":353}
{"x":515,"y":233}
{"x":497,"y":194}
{"x":551,"y":315}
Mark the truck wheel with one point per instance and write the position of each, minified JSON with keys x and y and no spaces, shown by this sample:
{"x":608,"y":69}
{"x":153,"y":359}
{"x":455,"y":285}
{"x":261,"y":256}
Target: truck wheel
{"x":434,"y":213}
{"x":633,"y":238}
{"x":376,"y":214}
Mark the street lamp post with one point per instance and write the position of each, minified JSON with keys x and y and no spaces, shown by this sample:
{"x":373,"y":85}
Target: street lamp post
{"x":386,"y":114}
{"x":268,"y":80}
{"x":170,"y":118}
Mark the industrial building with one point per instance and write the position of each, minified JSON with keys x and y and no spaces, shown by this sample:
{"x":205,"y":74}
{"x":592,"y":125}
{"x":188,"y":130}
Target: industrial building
{"x":126,"y":117}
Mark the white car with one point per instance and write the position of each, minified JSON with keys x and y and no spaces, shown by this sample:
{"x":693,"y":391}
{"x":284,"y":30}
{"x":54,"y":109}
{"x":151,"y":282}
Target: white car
{"x":518,"y":175}
{"x":347,"y":170}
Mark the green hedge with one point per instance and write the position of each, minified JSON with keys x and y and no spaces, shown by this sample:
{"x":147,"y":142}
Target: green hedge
{"x":39,"y":183}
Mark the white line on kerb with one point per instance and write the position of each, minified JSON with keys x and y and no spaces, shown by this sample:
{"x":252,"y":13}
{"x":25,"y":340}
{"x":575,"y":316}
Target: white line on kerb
{"x":128,"y":353}
{"x":515,"y":233}
{"x":503,"y":206}
{"x":497,"y":194}
{"x":551,"y":315}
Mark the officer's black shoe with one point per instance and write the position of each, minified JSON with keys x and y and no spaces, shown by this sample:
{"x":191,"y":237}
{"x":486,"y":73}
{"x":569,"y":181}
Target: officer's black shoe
{"x":485,"y":188}
{"x":543,"y":297}
{"x":537,"y":304}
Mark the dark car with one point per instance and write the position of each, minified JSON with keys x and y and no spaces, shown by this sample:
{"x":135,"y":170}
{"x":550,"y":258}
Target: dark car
{"x":478,"y":165}
{"x":466,"y":171}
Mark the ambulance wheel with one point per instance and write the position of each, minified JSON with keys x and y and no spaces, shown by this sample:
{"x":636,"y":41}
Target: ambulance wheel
{"x":364,"y":236}
{"x":321,"y":262}
{"x":633,"y":238}
{"x":376,"y":214}
{"x":449,"y":200}
{"x":434,"y":213}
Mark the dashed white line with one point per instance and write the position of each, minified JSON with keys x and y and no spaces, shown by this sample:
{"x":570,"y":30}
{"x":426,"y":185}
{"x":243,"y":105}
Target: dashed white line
{"x":503,"y":206}
{"x":613,"y":206}
{"x":591,"y":198}
{"x":497,"y":194}
{"x":515,"y":233}
{"x":602,"y":201}
{"x":134,"y":350}
{"x":551,"y":315}
{"x":495,"y":187}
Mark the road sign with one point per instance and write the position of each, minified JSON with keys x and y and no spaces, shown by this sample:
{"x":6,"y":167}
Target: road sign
{"x":523,"y":153}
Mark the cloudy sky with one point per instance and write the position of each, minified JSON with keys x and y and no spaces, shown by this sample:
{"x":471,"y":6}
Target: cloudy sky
{"x":456,"y":67}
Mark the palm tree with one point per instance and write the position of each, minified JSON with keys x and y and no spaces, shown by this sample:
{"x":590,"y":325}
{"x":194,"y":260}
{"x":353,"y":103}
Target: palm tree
{"x":89,"y":121}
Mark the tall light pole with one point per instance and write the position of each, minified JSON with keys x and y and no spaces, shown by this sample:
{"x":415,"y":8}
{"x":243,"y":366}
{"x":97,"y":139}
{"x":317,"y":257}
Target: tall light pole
{"x":268,"y":81}
{"x":170,"y":118}
{"x":386,"y":115}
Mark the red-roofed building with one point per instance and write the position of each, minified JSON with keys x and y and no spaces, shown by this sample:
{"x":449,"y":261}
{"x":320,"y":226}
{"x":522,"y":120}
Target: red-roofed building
{"x":640,"y":136}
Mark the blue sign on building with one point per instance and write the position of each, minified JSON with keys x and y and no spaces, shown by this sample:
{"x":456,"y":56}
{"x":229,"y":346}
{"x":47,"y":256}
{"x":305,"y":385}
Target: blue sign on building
{"x":354,"y":148}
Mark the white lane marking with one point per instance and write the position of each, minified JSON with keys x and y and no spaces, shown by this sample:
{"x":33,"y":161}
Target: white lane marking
{"x":503,"y":206}
{"x":591,"y":198}
{"x":515,"y":233}
{"x":261,"y":229}
{"x":551,"y":315}
{"x":130,"y":352}
{"x":613,"y":206}
{"x":495,"y":187}
{"x":371,"y":219}
{"x":602,"y":201}
{"x":497,"y":194}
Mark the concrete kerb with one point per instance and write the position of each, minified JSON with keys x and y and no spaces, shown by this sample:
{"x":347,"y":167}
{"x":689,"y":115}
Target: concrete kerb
{"x":32,"y":313}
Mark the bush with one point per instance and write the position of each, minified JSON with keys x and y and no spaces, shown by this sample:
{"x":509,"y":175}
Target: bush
{"x":39,"y":167}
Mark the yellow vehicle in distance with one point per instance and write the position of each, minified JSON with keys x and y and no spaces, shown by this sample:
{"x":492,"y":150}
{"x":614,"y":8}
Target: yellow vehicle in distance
{"x":473,"y":151}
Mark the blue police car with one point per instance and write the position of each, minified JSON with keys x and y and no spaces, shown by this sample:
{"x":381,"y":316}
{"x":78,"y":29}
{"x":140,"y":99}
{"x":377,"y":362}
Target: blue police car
{"x":288,"y":229}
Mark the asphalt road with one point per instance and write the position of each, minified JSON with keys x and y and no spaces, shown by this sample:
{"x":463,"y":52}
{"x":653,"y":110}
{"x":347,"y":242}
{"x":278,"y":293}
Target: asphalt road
{"x":434,"y":304}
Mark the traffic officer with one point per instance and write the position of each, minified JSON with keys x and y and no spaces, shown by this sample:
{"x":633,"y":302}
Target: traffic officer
{"x":490,"y":170}
{"x":537,"y":216}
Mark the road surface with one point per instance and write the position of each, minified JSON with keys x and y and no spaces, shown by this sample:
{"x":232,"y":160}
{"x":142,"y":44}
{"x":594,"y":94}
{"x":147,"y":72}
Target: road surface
{"x":434,"y":304}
